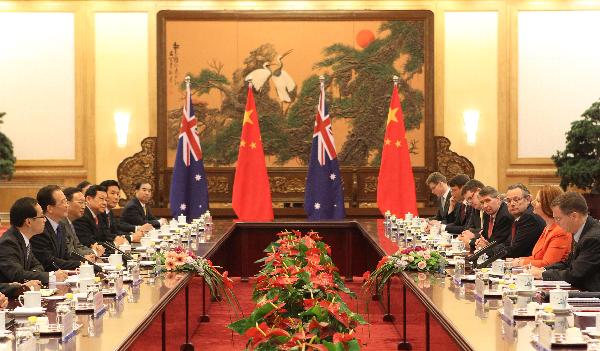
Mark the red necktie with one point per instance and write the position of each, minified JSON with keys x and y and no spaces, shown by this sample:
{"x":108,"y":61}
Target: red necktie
{"x":463,"y":211}
{"x":96,"y":219}
{"x":513,"y":232}
{"x":491,"y":226}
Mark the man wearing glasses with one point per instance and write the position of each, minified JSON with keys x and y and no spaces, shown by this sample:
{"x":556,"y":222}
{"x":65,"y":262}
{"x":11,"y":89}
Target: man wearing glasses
{"x":526,"y":227}
{"x":582,"y":267}
{"x":17,"y":262}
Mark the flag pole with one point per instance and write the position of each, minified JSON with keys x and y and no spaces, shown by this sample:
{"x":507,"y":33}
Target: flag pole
{"x":395,"y":78}
{"x":322,"y":79}
{"x":249,"y":80}
{"x":187,"y":82}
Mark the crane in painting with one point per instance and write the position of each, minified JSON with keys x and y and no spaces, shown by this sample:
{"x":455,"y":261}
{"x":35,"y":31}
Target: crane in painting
{"x":284,"y":83}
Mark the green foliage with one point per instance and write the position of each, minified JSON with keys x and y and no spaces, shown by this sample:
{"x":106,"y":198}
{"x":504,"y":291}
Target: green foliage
{"x":579,"y":163}
{"x":7,"y":157}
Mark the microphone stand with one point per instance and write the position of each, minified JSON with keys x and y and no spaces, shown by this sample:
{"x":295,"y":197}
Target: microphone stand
{"x":501,"y":253}
{"x":109,"y":245}
{"x":484,"y":250}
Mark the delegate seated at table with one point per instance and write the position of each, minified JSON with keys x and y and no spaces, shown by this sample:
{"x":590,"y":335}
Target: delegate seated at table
{"x":554,"y":245}
{"x":582,"y":268}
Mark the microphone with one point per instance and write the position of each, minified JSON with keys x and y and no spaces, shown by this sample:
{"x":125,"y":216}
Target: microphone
{"x":483,"y":250}
{"x":501,"y":253}
{"x":83,"y":259}
{"x":109,"y":245}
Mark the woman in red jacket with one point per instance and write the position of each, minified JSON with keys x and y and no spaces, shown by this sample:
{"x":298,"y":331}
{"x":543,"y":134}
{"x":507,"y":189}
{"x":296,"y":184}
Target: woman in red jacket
{"x":554,"y":244}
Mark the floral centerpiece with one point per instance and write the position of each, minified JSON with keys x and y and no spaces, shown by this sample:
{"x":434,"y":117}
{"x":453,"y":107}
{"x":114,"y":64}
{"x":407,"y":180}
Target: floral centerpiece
{"x":298,"y":303}
{"x":415,"y":258}
{"x":182,"y":260}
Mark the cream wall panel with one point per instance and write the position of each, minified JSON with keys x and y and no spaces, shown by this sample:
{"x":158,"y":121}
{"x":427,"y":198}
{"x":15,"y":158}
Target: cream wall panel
{"x":37,"y":89}
{"x":121,"y":58}
{"x":471,"y":83}
{"x":558,"y":76}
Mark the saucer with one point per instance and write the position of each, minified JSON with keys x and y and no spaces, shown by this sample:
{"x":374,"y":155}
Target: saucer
{"x":27,"y":311}
{"x":47,"y":292}
{"x":592,"y":331}
{"x":147,"y":263}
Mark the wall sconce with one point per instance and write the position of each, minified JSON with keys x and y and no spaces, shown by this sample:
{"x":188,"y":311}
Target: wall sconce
{"x":122,"y":127}
{"x":471,"y":120}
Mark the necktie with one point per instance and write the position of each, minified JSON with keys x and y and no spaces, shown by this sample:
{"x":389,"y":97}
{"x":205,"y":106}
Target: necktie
{"x":491,"y":226}
{"x":463,"y":212}
{"x":27,"y":254}
{"x":59,"y":240}
{"x":96,"y":219}
{"x":145,"y":212}
{"x":513,"y":231}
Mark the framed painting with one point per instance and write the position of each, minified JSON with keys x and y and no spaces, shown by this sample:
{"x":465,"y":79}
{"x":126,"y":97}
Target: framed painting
{"x":358,"y":53}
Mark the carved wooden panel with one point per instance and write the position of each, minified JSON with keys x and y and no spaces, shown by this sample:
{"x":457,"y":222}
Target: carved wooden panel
{"x":287,"y":183}
{"x":139,"y":168}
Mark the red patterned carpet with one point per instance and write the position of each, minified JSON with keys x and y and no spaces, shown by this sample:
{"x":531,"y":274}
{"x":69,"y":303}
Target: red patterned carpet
{"x":215,"y":336}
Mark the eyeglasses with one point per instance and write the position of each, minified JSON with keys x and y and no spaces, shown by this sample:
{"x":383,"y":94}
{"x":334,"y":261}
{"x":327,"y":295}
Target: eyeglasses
{"x":81,"y":202}
{"x":508,"y":200}
{"x":38,"y":217}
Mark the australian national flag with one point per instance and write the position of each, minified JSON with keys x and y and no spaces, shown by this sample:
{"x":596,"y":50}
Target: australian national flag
{"x":189,"y":188}
{"x":324,"y":197}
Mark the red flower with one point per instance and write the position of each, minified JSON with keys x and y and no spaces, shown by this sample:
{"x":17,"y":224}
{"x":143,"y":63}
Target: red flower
{"x":366,"y":275}
{"x":283,"y":281}
{"x":262,"y":333}
{"x":382,"y":262}
{"x":323,"y":279}
{"x":226,"y":281}
{"x":342,"y":337}
{"x":334,"y":309}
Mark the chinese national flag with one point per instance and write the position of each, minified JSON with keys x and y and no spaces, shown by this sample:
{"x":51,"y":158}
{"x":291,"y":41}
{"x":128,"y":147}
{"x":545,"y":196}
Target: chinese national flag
{"x":396,"y":184}
{"x":251,"y":191}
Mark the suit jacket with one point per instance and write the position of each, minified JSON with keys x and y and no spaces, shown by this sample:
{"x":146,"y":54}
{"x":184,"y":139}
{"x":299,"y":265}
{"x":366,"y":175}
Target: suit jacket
{"x":582,"y":267}
{"x":553,"y":246}
{"x":72,"y":241}
{"x":111,"y":226}
{"x":87,"y":230}
{"x":11,"y":290}
{"x":460,"y":220}
{"x":50,"y":252}
{"x":15,"y":265}
{"x":501,"y":229}
{"x":133,"y":214}
{"x":442,"y":213}
{"x":528,"y":229}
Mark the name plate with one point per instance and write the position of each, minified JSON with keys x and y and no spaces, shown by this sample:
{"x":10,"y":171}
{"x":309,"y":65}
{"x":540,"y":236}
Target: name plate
{"x":98,"y":303}
{"x":67,"y":326}
{"x":508,"y":309}
{"x":135,"y":275}
{"x":119,"y":285}
{"x":545,"y":336}
{"x":479,"y":287}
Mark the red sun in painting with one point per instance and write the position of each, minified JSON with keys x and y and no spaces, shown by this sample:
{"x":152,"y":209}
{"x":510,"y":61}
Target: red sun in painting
{"x":364,"y":38}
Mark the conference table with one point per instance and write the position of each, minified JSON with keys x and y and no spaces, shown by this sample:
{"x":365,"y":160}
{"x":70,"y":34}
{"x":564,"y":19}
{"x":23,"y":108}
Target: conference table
{"x":357,"y":246}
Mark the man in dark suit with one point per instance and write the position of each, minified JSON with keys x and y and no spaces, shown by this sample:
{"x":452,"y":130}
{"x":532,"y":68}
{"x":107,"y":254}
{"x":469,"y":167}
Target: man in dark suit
{"x":88,"y":227}
{"x":526,"y":227}
{"x":472,"y":228}
{"x":463,"y":210}
{"x":582,"y":267}
{"x":17,"y":261}
{"x":122,"y":232}
{"x":497,"y":221}
{"x":50,"y":247}
{"x":75,"y":210}
{"x":438,"y":185}
{"x":137,"y":212}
